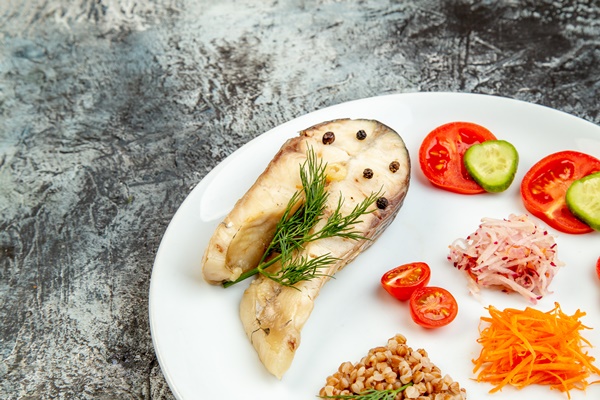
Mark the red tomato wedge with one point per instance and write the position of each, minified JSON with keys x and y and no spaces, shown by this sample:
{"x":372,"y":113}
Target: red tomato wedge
{"x":441,"y":155}
{"x":598,"y":267}
{"x":545,"y":185}
{"x":433,"y":307}
{"x":403,"y":280}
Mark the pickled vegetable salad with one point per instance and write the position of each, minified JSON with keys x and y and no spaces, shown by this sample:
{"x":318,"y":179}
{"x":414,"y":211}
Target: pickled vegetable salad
{"x":513,"y":254}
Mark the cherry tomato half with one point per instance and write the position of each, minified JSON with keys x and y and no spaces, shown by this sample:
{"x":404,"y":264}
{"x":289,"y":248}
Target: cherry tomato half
{"x":598,"y":267}
{"x":441,"y":155}
{"x":545,"y":185}
{"x":402,"y":281}
{"x":433,"y":307}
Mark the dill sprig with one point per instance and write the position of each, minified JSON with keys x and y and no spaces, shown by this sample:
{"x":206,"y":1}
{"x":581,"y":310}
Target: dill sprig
{"x":371,"y":394}
{"x":303,"y":211}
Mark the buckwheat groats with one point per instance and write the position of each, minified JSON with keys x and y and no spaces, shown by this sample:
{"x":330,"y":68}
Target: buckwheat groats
{"x":391,"y":367}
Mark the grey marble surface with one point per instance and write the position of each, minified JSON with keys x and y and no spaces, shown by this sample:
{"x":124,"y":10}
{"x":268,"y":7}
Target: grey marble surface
{"x":111,"y":111}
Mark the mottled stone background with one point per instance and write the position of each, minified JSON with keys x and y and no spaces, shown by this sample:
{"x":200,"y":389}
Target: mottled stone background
{"x":111,"y":111}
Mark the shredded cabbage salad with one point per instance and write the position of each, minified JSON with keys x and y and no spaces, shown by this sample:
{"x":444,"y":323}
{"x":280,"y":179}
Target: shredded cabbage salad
{"x":514,"y":254}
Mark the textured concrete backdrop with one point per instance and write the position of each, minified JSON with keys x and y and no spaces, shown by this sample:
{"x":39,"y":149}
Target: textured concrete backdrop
{"x":111,"y":111}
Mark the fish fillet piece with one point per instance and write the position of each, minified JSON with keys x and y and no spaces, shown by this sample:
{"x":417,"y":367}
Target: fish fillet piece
{"x":241,"y":238}
{"x":274,"y":315}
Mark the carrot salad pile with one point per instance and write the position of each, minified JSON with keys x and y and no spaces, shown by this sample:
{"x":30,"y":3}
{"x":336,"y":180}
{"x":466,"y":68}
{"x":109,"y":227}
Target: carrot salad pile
{"x":524,"y":347}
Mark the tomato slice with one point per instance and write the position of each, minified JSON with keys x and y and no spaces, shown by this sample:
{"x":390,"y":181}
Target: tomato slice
{"x":433,"y":307}
{"x":545,"y":185}
{"x":441,"y":155}
{"x":598,"y":267}
{"x":403,"y":280}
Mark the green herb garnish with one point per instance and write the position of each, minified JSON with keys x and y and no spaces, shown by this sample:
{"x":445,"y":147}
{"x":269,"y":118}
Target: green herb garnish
{"x":293,"y":230}
{"x":371,"y":394}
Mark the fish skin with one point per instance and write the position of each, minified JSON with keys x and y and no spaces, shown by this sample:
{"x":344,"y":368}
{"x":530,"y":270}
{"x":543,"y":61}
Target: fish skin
{"x":274,"y":315}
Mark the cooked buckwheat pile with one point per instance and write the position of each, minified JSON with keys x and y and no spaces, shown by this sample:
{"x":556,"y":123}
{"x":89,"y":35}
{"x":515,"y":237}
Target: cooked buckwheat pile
{"x":390,"y":367}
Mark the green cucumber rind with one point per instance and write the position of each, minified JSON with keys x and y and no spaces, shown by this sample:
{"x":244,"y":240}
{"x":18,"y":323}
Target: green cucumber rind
{"x":509,"y":176}
{"x":573,"y":199}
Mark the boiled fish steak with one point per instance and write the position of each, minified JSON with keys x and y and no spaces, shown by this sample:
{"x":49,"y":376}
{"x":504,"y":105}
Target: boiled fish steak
{"x":362,"y":157}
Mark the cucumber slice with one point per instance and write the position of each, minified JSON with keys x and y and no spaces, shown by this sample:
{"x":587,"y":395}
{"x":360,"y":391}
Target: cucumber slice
{"x":583,"y":199}
{"x":492,"y":164}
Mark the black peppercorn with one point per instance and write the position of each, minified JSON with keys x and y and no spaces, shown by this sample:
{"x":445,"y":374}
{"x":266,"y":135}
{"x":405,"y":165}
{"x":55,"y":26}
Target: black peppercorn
{"x":328,"y":137}
{"x":361,"y":135}
{"x":368,"y":173}
{"x":382,"y":203}
{"x":394,"y":166}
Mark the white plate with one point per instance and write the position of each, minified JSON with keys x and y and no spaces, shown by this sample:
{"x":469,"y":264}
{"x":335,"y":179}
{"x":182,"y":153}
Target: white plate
{"x":199,"y":340}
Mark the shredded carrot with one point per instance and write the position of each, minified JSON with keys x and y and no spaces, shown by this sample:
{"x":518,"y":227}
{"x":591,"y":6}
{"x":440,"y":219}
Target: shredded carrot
{"x":524,"y":347}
